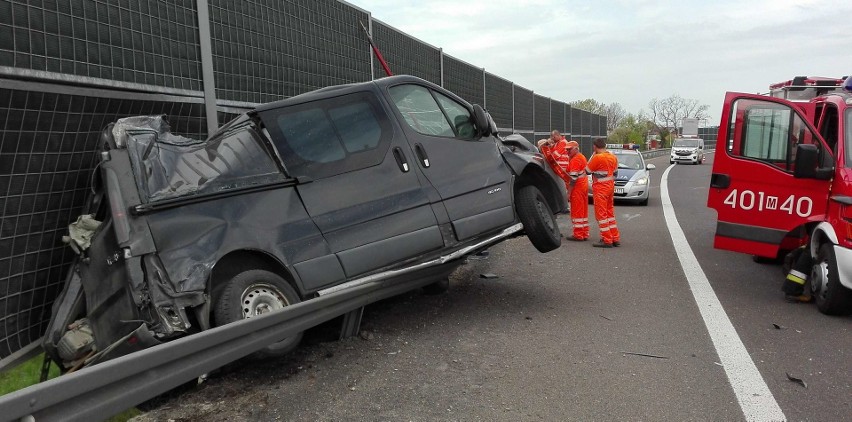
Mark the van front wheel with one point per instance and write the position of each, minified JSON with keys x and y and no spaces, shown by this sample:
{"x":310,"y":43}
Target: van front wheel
{"x":538,"y":220}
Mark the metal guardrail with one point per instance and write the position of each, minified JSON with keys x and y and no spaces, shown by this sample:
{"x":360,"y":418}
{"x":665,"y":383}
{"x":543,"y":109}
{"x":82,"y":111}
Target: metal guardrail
{"x":656,"y":153}
{"x":103,"y":390}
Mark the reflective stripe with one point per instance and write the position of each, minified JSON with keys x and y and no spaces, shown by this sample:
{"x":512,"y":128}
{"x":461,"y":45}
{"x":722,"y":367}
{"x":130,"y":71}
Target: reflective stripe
{"x":795,"y":279}
{"x":798,"y":274}
{"x":604,"y":179}
{"x":604,"y":229}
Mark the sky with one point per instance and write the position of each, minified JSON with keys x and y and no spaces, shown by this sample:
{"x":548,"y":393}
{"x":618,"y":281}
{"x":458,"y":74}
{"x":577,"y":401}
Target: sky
{"x":630,"y":52}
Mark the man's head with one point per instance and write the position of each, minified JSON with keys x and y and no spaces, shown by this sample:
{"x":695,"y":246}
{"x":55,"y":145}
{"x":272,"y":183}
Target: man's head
{"x":573,"y":148}
{"x":555,"y":136}
{"x":599,"y":144}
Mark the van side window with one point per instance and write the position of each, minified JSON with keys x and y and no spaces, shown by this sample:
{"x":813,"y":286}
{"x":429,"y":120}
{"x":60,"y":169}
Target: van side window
{"x":420,"y":110}
{"x":768,"y":132}
{"x":432,"y":113}
{"x":331,"y":136}
{"x":459,"y":116}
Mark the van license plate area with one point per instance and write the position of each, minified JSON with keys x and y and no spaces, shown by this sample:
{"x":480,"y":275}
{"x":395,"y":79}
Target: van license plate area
{"x":619,"y":191}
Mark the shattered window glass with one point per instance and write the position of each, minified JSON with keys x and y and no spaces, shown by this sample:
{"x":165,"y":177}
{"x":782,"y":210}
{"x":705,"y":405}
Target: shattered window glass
{"x":170,"y":166}
{"x":420,"y":110}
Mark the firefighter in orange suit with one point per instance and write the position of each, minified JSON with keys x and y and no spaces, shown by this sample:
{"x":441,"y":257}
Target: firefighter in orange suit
{"x":555,"y":150}
{"x":602,"y":167}
{"x":578,"y":192}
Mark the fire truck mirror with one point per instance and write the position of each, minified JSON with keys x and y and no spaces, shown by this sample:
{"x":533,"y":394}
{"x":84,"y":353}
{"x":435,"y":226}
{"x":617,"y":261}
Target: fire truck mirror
{"x":807,"y":161}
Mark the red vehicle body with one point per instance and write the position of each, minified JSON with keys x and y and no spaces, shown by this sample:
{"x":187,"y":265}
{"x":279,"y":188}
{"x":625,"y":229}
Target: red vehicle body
{"x":782,"y":178}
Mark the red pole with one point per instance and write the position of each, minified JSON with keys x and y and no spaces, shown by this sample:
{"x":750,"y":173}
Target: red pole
{"x":376,"y":51}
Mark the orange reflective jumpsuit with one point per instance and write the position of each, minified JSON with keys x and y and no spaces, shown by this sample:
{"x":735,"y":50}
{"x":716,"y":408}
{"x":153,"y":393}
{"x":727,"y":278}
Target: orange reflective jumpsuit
{"x":602,"y":167}
{"x":557,"y":157}
{"x":578,"y":193}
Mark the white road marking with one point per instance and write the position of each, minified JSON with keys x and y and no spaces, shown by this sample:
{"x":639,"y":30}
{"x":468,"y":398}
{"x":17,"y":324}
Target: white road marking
{"x":753,"y":395}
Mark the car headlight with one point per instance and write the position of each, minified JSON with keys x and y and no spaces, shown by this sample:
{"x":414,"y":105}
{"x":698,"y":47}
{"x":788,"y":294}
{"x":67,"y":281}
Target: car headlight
{"x":641,"y":181}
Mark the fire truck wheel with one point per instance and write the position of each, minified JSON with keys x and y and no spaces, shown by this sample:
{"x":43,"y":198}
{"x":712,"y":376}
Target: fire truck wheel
{"x":831,"y":297}
{"x":539,"y":221}
{"x":252,"y":293}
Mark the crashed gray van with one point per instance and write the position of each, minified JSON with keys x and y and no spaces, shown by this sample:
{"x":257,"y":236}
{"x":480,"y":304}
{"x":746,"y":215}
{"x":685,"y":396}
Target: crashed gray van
{"x":372,"y":181}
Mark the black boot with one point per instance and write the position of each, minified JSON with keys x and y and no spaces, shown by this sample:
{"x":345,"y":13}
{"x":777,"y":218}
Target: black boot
{"x":794,"y":283}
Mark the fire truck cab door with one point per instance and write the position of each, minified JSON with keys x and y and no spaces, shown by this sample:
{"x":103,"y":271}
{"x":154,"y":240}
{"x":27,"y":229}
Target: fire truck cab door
{"x":760,"y":204}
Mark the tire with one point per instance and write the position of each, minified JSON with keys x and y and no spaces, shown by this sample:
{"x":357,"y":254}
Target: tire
{"x":438,"y":287}
{"x":255,"y":292}
{"x":644,"y":202}
{"x":538,"y":220}
{"x":832,"y":298}
{"x":671,"y":161}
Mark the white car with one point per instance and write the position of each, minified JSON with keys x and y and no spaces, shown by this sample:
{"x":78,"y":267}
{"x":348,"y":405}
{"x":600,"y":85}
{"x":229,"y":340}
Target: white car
{"x":687,"y":150}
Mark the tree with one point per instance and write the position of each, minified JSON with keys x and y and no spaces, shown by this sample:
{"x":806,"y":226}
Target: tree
{"x":614,"y":112}
{"x":632,"y":129}
{"x":668,"y":113}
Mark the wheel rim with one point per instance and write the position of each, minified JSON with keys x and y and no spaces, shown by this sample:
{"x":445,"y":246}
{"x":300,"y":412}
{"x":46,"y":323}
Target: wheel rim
{"x":259,"y":299}
{"x":544,"y":212}
{"x":819,"y":279}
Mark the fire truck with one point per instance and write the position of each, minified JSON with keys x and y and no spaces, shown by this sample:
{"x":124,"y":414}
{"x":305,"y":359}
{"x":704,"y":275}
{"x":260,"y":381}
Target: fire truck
{"x":782,"y":179}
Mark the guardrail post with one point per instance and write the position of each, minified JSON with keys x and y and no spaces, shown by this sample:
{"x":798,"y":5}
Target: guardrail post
{"x":351,"y":323}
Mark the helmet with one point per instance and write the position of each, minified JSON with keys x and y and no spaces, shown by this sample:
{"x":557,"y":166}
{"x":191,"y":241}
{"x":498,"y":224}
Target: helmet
{"x":573,"y":144}
{"x":847,"y":84}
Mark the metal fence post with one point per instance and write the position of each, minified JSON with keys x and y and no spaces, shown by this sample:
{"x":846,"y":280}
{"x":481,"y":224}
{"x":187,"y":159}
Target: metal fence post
{"x":207,"y":76}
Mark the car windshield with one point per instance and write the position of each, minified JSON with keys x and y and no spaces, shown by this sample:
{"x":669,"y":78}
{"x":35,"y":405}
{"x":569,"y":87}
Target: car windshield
{"x":686,"y":143}
{"x":629,"y":161}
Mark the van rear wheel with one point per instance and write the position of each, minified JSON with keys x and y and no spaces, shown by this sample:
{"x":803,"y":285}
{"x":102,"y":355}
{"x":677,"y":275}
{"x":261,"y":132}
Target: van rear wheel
{"x":252,"y":293}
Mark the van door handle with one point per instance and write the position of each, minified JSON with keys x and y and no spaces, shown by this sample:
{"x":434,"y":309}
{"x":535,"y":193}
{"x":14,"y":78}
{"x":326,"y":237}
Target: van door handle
{"x":720,"y":181}
{"x":421,"y":155}
{"x":400,"y":159}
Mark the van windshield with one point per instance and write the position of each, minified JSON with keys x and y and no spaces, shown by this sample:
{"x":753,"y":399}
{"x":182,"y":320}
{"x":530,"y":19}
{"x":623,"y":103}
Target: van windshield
{"x":686,"y":143}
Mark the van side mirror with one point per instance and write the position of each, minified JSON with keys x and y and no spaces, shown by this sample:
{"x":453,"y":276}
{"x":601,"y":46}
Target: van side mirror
{"x":480,"y":118}
{"x":807,"y":164}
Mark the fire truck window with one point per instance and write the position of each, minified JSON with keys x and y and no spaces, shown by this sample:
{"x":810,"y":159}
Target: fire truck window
{"x":828,"y":126}
{"x":769,"y":132}
{"x":847,"y":123}
{"x":766,"y":134}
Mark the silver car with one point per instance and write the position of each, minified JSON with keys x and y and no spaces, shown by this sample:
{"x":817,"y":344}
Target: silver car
{"x":633,"y":179}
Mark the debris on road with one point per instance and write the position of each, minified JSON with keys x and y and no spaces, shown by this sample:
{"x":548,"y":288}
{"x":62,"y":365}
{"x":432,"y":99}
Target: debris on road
{"x":779,"y":327}
{"x":797,"y":380}
{"x":488,"y":276}
{"x":606,"y":318}
{"x":479,"y":255}
{"x":645,"y":354}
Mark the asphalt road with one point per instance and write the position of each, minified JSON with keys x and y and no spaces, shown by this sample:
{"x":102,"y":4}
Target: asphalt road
{"x":576,"y":334}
